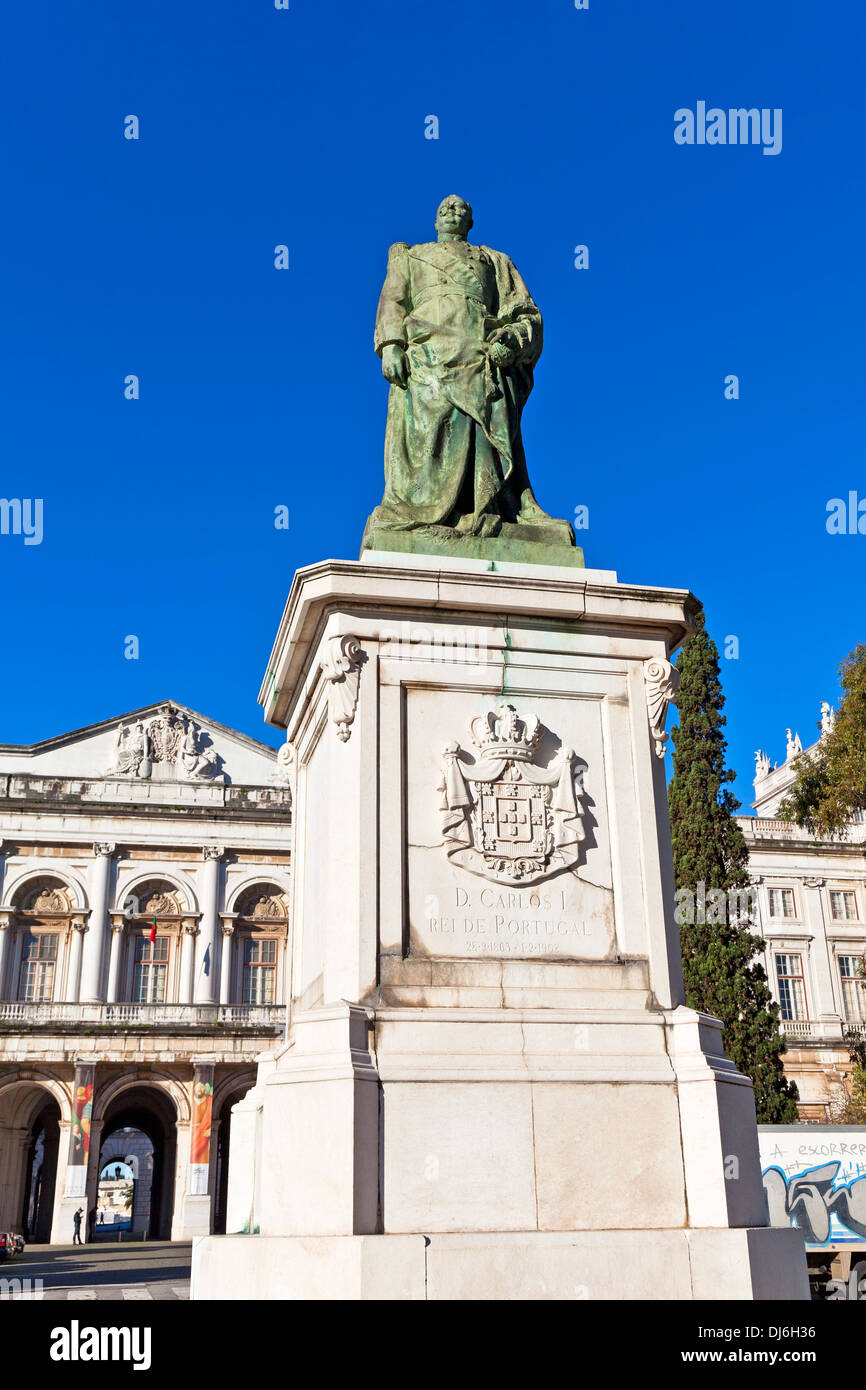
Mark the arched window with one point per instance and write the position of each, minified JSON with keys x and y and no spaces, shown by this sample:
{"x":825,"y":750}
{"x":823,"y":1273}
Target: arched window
{"x":153,"y":915}
{"x":262,"y":928}
{"x":43,"y":909}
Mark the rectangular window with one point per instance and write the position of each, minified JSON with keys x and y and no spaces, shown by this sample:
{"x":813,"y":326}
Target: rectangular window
{"x":151,"y":970}
{"x":853,"y":989}
{"x":260,"y":970}
{"x":38,"y":958}
{"x":792,"y":988}
{"x":843,"y":905}
{"x":781,"y":902}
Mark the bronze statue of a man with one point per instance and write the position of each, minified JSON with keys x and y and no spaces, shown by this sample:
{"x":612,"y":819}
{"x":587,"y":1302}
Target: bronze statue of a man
{"x":459,"y":334}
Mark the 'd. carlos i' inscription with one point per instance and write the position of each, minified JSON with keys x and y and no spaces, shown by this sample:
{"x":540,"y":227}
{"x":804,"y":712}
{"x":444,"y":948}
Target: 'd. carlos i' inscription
{"x":507,"y":922}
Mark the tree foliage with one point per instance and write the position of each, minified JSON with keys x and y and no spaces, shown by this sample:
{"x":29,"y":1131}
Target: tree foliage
{"x":830,"y":779}
{"x":720,"y":972}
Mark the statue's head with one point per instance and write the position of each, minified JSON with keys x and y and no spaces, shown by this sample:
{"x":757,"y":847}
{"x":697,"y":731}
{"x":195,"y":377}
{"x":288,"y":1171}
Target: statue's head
{"x":454,"y":215}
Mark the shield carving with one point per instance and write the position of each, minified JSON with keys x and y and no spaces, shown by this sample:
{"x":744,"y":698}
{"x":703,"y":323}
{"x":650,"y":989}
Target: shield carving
{"x":504,"y":816}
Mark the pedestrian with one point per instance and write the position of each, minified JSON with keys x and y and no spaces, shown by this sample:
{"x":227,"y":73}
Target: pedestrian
{"x":76,"y":1221}
{"x":91,"y":1222}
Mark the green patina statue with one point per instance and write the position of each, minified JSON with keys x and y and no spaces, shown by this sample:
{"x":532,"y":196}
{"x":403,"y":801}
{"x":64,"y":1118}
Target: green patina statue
{"x":459,"y":335}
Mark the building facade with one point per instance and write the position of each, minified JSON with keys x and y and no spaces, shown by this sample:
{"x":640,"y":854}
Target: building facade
{"x":145,"y":884}
{"x":811,"y":902}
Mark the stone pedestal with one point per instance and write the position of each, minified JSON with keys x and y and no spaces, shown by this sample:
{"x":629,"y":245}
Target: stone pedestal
{"x":490,"y":1086}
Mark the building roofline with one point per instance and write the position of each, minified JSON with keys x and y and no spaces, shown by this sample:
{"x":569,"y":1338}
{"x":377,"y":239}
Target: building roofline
{"x":29,"y":750}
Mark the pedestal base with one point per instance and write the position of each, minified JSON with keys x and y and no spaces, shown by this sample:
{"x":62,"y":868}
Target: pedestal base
{"x":758,"y":1263}
{"x":515,"y":544}
{"x":488,"y":1060}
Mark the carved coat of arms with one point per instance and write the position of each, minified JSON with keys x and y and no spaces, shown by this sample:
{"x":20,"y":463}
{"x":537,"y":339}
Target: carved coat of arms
{"x":165,"y":734}
{"x":504,"y":816}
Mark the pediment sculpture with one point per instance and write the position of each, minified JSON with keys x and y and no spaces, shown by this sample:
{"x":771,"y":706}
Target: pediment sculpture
{"x":170,"y":741}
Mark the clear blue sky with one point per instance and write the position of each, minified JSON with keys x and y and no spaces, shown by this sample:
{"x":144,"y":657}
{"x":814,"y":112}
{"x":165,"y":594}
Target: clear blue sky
{"x":260,"y":387}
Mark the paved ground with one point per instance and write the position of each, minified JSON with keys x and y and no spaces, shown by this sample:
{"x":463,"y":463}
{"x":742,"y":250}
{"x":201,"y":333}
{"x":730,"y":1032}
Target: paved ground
{"x":152,"y":1270}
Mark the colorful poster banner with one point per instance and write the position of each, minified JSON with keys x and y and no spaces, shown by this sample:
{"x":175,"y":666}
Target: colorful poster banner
{"x":79,"y":1135}
{"x":202,"y":1117}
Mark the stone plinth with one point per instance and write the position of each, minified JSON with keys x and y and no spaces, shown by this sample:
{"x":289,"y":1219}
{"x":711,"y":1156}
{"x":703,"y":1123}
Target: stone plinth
{"x":487,"y":1044}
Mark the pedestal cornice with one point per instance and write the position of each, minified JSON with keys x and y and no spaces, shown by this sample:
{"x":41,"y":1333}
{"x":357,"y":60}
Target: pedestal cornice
{"x":431,"y":583}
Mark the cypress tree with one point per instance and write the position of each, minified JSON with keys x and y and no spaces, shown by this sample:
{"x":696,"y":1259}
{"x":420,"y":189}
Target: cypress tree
{"x":720,"y":972}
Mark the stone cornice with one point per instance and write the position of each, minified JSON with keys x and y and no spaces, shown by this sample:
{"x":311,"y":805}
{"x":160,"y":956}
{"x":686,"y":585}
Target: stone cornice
{"x":425,"y":584}
{"x":73,"y":796}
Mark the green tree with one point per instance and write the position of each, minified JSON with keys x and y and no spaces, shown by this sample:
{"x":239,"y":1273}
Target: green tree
{"x":830,"y":780}
{"x":720,"y":972}
{"x":855,"y":1106}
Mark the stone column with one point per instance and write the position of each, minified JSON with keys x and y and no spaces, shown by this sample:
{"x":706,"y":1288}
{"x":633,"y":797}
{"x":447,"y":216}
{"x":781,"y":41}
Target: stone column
{"x":187,"y":962}
{"x":5,"y":952}
{"x":93,"y":1171}
{"x":205,"y":989}
{"x":94,"y":945}
{"x":5,"y":925}
{"x":117,"y":925}
{"x":824,"y":1009}
{"x":226,"y":963}
{"x":14,"y":1144}
{"x":73,"y":978}
{"x":179,"y":1196}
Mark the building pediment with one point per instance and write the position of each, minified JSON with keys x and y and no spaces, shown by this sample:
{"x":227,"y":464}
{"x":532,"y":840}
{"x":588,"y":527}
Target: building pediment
{"x":165,"y":742}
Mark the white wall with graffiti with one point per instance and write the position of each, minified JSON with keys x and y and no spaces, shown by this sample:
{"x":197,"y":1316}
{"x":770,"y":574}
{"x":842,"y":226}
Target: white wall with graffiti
{"x":815,"y":1179}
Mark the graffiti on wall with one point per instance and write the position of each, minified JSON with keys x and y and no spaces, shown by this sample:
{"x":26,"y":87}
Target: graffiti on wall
{"x":826,"y":1201}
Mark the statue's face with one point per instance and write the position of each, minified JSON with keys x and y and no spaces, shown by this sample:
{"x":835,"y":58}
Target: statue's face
{"x":454,"y":216}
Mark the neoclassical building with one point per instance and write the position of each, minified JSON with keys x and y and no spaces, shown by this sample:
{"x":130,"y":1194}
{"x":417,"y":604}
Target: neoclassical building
{"x":145,"y":884}
{"x":811,"y":898}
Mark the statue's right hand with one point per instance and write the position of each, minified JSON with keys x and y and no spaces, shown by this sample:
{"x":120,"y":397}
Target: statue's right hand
{"x":395,"y":367}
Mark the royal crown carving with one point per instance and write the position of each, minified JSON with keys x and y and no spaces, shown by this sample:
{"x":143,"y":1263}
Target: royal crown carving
{"x":506,"y":735}
{"x":504,"y":816}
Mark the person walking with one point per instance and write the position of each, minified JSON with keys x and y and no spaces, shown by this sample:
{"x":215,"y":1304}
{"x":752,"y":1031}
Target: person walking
{"x":76,"y":1221}
{"x":91,"y":1222}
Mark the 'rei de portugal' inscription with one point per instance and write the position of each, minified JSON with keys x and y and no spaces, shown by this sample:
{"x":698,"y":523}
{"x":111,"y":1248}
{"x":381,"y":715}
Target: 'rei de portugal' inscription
{"x":497,"y":857}
{"x":564,"y":919}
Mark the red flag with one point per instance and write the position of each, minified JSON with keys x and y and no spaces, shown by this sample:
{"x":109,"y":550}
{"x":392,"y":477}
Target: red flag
{"x":153,"y":932}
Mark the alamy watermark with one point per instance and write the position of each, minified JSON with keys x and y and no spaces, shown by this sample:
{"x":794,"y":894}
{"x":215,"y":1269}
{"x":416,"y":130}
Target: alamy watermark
{"x":22,"y":516}
{"x":414,"y":641}
{"x":714,"y":907}
{"x":17,"y":1290}
{"x":846,"y":516}
{"x":737,"y":126}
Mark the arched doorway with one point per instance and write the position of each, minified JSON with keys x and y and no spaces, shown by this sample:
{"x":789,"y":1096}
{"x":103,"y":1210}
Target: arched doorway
{"x":41,"y":1178}
{"x":30,"y":1117}
{"x":222,"y":1165}
{"x":125,"y":1187}
{"x":141,"y":1123}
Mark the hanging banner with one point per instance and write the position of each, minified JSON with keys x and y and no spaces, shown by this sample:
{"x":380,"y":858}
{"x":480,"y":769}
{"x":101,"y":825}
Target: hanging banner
{"x":79,"y":1137}
{"x":202,"y":1116}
